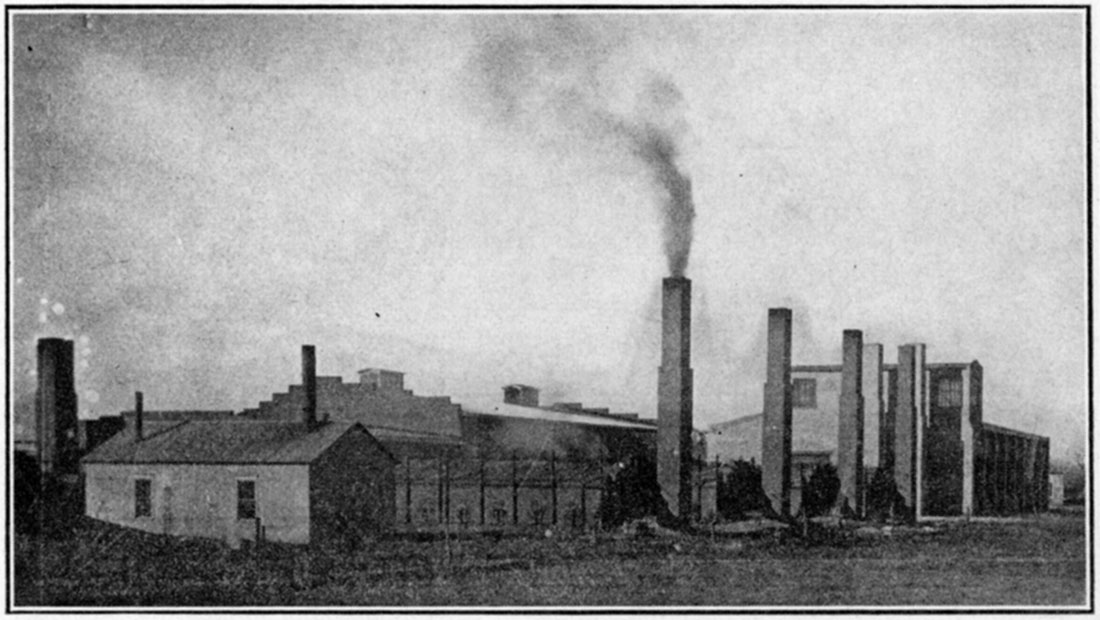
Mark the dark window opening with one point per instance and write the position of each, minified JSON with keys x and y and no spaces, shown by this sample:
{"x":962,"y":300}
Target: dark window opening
{"x":246,"y":499}
{"x":949,"y":393}
{"x":143,"y":497}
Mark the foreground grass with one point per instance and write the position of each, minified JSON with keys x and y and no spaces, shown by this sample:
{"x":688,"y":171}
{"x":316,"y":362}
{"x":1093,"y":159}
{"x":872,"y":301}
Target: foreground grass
{"x":1039,"y":561}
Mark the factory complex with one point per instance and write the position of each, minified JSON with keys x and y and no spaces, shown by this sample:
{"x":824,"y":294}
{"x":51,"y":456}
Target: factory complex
{"x":326,"y":458}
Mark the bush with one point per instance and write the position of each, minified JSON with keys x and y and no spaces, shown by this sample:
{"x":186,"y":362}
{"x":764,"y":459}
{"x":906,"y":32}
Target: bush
{"x":882,"y":495}
{"x":740,"y":490}
{"x":633,"y":493}
{"x":820,"y":491}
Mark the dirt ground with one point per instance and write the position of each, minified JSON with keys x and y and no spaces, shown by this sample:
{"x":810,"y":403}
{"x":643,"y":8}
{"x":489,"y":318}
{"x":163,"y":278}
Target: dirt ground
{"x":1034,"y":561}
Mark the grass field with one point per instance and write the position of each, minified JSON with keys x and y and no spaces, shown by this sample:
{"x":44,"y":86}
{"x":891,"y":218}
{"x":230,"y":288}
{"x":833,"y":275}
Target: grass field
{"x":1037,"y":561}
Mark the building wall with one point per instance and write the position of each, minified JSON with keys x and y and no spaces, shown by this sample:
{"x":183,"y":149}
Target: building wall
{"x":942,"y":475}
{"x":736,"y":439}
{"x":201,"y":500}
{"x":1012,"y":472}
{"x":352,"y":488}
{"x":368,"y":404}
{"x":814,"y":428}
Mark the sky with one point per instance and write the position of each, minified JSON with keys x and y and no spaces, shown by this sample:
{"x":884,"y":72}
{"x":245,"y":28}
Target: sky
{"x":482,"y":198}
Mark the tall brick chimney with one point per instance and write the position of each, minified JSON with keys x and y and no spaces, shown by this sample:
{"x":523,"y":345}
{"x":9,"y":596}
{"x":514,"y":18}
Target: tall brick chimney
{"x":849,"y":453}
{"x":139,"y":416}
{"x":309,"y":383}
{"x":675,"y":397}
{"x":55,"y":408}
{"x":905,"y":428}
{"x":775,"y":453}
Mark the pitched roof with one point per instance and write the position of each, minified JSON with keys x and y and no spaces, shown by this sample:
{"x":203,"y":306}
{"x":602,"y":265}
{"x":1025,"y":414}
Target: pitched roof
{"x":222,"y":442}
{"x":554,"y":415}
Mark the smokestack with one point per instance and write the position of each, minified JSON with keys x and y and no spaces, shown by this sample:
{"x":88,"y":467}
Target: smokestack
{"x":674,"y":397}
{"x":849,"y":454}
{"x":55,"y":404}
{"x":139,"y":416}
{"x":309,"y":382}
{"x":775,"y":453}
{"x":905,"y":428}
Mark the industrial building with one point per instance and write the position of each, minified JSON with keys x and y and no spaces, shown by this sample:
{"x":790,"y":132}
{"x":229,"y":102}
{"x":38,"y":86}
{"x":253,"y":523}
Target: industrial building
{"x":505,"y":464}
{"x":281,"y":481}
{"x":921,"y":421}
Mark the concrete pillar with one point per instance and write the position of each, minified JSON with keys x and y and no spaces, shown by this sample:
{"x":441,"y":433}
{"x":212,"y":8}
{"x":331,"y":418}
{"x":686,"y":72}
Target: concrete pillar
{"x":905,"y":428}
{"x":775,"y":454}
{"x":849,"y":453}
{"x":674,"y":398}
{"x":55,"y":404}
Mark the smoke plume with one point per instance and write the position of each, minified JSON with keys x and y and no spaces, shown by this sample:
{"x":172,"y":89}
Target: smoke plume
{"x":554,"y":79}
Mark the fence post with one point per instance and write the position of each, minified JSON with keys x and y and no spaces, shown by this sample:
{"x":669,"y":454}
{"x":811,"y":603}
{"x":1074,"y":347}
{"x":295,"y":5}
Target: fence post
{"x":553,"y":488}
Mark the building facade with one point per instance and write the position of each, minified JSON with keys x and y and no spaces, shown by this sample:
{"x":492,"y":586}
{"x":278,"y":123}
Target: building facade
{"x":280,"y":481}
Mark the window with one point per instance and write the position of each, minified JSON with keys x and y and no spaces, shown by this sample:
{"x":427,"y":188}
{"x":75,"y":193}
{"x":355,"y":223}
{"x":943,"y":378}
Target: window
{"x":804,"y":393}
{"x":538,"y":512}
{"x":246,"y":499}
{"x":143,"y":497}
{"x":949,"y":393}
{"x":499,"y":515}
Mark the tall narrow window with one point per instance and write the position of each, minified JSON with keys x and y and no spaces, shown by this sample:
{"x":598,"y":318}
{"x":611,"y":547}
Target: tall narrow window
{"x":949,"y":393}
{"x":246,"y":499}
{"x":804,"y":393}
{"x":143,"y":497}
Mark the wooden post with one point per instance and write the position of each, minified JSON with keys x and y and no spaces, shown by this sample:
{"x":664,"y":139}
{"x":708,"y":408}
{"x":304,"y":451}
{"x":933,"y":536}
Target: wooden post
{"x":553,"y":488}
{"x":515,"y":490}
{"x":584,"y":503}
{"x":408,"y":491}
{"x":481,"y":484}
{"x":439,"y":490}
{"x":447,"y":490}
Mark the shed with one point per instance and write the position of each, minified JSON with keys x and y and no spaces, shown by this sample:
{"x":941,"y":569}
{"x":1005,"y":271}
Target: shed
{"x":235,"y":479}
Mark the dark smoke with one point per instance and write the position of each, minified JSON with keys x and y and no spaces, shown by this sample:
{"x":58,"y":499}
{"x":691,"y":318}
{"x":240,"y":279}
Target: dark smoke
{"x":657,"y":149}
{"x":549,"y":78}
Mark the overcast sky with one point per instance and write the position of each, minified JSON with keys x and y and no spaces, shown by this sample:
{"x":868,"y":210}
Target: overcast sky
{"x":482,"y":198}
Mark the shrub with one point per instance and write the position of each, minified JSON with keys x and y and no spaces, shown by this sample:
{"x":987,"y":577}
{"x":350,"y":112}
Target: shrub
{"x":820,"y":491}
{"x":633,"y":493}
{"x":882,"y":495}
{"x":740,"y":490}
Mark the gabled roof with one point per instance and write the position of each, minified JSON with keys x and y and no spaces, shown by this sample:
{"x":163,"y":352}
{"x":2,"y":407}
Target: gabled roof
{"x":222,"y":442}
